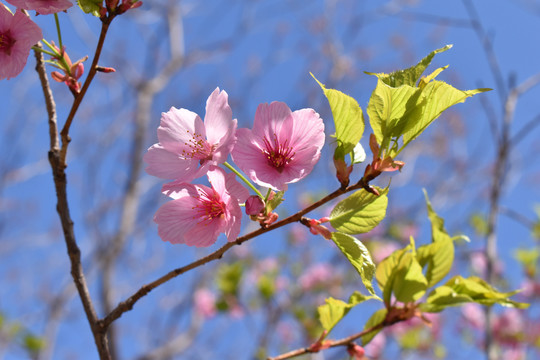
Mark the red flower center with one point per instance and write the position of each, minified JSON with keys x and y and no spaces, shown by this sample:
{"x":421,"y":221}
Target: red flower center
{"x":277,"y":154}
{"x":210,"y":206}
{"x":198,"y":148}
{"x":6,"y":42}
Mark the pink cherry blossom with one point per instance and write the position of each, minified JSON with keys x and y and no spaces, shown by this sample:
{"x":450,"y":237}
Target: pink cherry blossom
{"x":315,"y":275}
{"x":188,"y":147}
{"x":17,"y":35}
{"x":205,"y":302}
{"x":42,"y":6}
{"x":282,"y":147}
{"x":198,"y":213}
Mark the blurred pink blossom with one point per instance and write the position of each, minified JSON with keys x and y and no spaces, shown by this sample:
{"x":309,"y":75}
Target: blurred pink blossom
{"x":317,"y":274}
{"x":382,"y":250}
{"x":474,"y":315}
{"x":17,"y":36}
{"x":376,"y":346}
{"x":282,"y":147}
{"x":508,"y":326}
{"x":198,"y":214}
{"x":187,"y":147}
{"x":43,"y":7}
{"x":205,"y":302}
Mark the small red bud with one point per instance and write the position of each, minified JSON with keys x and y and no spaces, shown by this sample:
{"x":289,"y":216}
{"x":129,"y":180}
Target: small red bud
{"x":254,"y":205}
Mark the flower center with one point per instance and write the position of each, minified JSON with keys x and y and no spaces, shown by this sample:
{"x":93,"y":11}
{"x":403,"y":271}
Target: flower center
{"x":277,"y":154}
{"x":209,"y":207}
{"x":197,"y":148}
{"x":6,"y":42}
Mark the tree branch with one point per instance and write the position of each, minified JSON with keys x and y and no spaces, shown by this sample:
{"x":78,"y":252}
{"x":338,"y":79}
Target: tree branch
{"x":127,"y":304}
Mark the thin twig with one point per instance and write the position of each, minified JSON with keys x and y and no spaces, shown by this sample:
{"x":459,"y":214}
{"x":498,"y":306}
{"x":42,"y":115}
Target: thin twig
{"x":57,"y":159}
{"x":127,"y":304}
{"x":78,"y":99}
{"x":329,"y":343}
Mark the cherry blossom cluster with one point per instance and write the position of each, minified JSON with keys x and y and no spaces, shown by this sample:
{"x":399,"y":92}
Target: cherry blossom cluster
{"x":281,"y":148}
{"x":18,"y":34}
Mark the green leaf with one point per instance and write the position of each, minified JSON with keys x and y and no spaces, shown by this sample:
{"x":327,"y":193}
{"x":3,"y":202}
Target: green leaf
{"x":33,"y":344}
{"x":410,"y":284}
{"x":275,"y":201}
{"x":411,"y":75}
{"x":334,"y":310}
{"x":360,"y":212}
{"x":439,"y":255}
{"x":357,"y":298}
{"x":348,"y":120}
{"x":375,"y":319}
{"x":459,"y":290}
{"x":228,"y":278}
{"x":386,"y":272}
{"x":387,"y":108}
{"x":267,"y":286}
{"x":358,"y":255}
{"x":435,"y":97}
{"x":90,"y":6}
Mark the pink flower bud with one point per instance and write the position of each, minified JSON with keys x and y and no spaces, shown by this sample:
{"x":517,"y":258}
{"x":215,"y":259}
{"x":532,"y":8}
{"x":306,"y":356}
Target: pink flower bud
{"x":356,"y":351}
{"x":254,"y":205}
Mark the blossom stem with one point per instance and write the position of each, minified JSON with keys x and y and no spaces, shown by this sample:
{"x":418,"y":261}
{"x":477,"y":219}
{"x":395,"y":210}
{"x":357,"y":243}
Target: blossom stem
{"x":58,"y":30}
{"x":267,"y":195}
{"x":35,"y":48}
{"x":248,"y":183}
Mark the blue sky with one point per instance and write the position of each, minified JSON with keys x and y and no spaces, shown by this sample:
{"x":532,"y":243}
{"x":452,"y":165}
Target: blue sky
{"x":258,"y":52}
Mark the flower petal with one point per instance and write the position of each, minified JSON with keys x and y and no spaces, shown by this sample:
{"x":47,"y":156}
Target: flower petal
{"x":175,"y":219}
{"x":167,"y":165}
{"x":178,"y":128}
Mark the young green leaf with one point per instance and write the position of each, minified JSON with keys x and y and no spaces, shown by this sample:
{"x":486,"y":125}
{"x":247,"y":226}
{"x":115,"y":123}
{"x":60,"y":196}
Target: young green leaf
{"x":439,"y":255}
{"x":410,"y":284}
{"x":376,"y":319}
{"x":334,"y":310}
{"x":358,"y":255}
{"x":90,"y":6}
{"x":411,"y":75}
{"x":387,"y":108}
{"x":348,"y":120}
{"x":459,"y":290}
{"x":386,"y":272}
{"x":228,"y":278}
{"x":360,"y":212}
{"x":435,"y":97}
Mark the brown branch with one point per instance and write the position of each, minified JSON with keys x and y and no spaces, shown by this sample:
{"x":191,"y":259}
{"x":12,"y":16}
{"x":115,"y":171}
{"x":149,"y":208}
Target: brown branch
{"x":147,"y":91}
{"x":127,"y":304}
{"x":57,"y":159}
{"x":328,"y":344}
{"x":78,"y":99}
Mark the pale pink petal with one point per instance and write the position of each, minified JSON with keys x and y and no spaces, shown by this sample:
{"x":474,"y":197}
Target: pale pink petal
{"x":178,"y":128}
{"x":220,"y":127}
{"x":233,"y":221}
{"x":237,"y":191}
{"x":308,"y":134}
{"x":42,"y":6}
{"x":216,"y":177}
{"x":203,"y":235}
{"x":269,"y":119}
{"x":167,"y":165}
{"x":23,"y":33}
{"x":175,"y":219}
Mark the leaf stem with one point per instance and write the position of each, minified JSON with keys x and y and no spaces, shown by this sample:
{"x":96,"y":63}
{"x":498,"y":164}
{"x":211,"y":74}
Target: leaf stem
{"x":244,"y":179}
{"x":58,"y":30}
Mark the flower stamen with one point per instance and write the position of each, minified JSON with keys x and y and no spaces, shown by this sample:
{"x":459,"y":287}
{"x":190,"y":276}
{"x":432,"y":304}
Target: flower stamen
{"x":278,"y":154}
